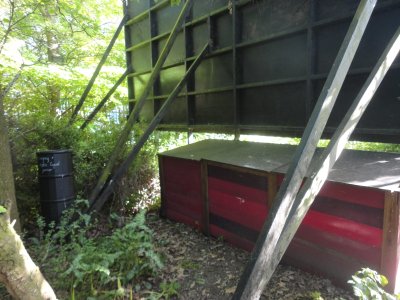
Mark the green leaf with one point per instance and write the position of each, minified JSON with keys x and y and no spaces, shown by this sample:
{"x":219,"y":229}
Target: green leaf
{"x":384,"y":280}
{"x":3,"y":210}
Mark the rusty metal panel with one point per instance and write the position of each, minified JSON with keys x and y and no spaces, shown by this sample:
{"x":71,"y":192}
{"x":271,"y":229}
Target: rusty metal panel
{"x":269,"y":61}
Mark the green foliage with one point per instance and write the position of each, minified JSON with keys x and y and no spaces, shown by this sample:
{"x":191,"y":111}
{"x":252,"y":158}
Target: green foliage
{"x":3,"y":210}
{"x":29,"y":135}
{"x":74,"y":254}
{"x":175,"y":2}
{"x":91,"y":150}
{"x":382,"y":147}
{"x":368,"y":285}
{"x":54,"y":48}
{"x":190,"y":265}
{"x":168,"y":290}
{"x":315,"y":295}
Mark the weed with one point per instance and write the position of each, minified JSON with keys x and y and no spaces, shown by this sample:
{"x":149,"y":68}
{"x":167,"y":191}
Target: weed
{"x":190,"y":265}
{"x":368,"y":285}
{"x":315,"y":295}
{"x":168,"y":290}
{"x":95,"y":267}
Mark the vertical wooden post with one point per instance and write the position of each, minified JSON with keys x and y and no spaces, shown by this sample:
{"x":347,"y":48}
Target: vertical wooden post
{"x":311,"y":58}
{"x":163,"y":207}
{"x":390,"y":258}
{"x":190,"y":84}
{"x":128,"y":56}
{"x":204,"y":197}
{"x":272,"y":188}
{"x":153,"y":24}
{"x":235,"y":40}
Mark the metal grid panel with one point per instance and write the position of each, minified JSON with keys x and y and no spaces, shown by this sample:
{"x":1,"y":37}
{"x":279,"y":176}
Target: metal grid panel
{"x":269,"y":61}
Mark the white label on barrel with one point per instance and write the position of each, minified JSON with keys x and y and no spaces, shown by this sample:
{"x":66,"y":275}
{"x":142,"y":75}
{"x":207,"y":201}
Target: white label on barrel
{"x":46,"y":164}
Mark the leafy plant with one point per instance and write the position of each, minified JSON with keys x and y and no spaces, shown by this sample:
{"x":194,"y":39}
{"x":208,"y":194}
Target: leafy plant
{"x":75,"y":254}
{"x":168,"y":289}
{"x":315,"y":295}
{"x":368,"y":285}
{"x":123,"y":256}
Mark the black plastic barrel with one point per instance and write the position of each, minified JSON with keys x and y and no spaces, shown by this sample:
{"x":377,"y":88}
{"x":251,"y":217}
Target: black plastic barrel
{"x":56,"y":183}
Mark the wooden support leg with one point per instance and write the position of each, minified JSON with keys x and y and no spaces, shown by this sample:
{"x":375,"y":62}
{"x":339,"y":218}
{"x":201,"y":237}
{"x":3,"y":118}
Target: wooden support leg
{"x":108,"y":189}
{"x":391,"y":241}
{"x":204,"y":194}
{"x":163,"y":207}
{"x":105,"y":99}
{"x":312,"y":185}
{"x":272,"y":188}
{"x":263,"y":260}
{"x":134,"y":116}
{"x":98,"y":68}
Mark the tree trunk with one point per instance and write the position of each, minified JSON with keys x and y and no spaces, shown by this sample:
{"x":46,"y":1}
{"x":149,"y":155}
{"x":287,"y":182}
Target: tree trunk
{"x":18,"y":272}
{"x":7,"y":191}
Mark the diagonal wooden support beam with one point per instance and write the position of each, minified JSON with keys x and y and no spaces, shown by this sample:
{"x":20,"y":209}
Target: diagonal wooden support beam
{"x":105,"y":99}
{"x":325,"y":162}
{"x":254,"y":277}
{"x":97,"y":71}
{"x":134,"y":116}
{"x":97,"y":205}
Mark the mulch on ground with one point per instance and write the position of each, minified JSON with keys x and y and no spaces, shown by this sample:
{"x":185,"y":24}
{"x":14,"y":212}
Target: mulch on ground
{"x":209,"y":268}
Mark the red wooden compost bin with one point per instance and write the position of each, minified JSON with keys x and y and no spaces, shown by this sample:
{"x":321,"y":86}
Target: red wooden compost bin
{"x":225,"y":188}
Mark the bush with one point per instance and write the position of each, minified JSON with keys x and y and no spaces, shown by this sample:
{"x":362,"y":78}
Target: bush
{"x":91,"y":151}
{"x":29,"y":135}
{"x":77,"y":255}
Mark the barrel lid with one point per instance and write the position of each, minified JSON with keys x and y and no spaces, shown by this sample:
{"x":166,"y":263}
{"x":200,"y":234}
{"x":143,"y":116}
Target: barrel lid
{"x":54,"y":151}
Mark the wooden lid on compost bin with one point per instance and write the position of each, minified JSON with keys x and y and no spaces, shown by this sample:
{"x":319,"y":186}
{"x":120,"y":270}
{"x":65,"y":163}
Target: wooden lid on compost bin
{"x":362,"y":168}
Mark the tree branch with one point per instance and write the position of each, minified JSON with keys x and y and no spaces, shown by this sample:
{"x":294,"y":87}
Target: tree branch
{"x":10,"y":85}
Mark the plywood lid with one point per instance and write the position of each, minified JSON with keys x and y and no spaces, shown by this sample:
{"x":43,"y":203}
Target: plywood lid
{"x":363,"y":168}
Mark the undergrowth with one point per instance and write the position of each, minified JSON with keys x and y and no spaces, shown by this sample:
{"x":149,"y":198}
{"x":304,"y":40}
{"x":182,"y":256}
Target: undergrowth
{"x":369,"y":285}
{"x":83,"y":262}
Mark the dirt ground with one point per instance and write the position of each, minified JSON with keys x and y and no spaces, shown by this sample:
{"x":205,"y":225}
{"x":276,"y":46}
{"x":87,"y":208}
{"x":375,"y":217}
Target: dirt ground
{"x":208,"y":268}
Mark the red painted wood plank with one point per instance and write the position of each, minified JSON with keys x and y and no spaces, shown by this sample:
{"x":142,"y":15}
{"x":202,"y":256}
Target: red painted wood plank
{"x":238,"y":190}
{"x":315,"y":259}
{"x":237,"y":209}
{"x":350,"y":193}
{"x":185,"y":172}
{"x":369,"y":254}
{"x":231,"y":238}
{"x":356,"y":212}
{"x":181,"y":218}
{"x":362,"y":233}
{"x":192,"y":193}
{"x":183,"y":203}
{"x":327,"y":244}
{"x":365,"y":196}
